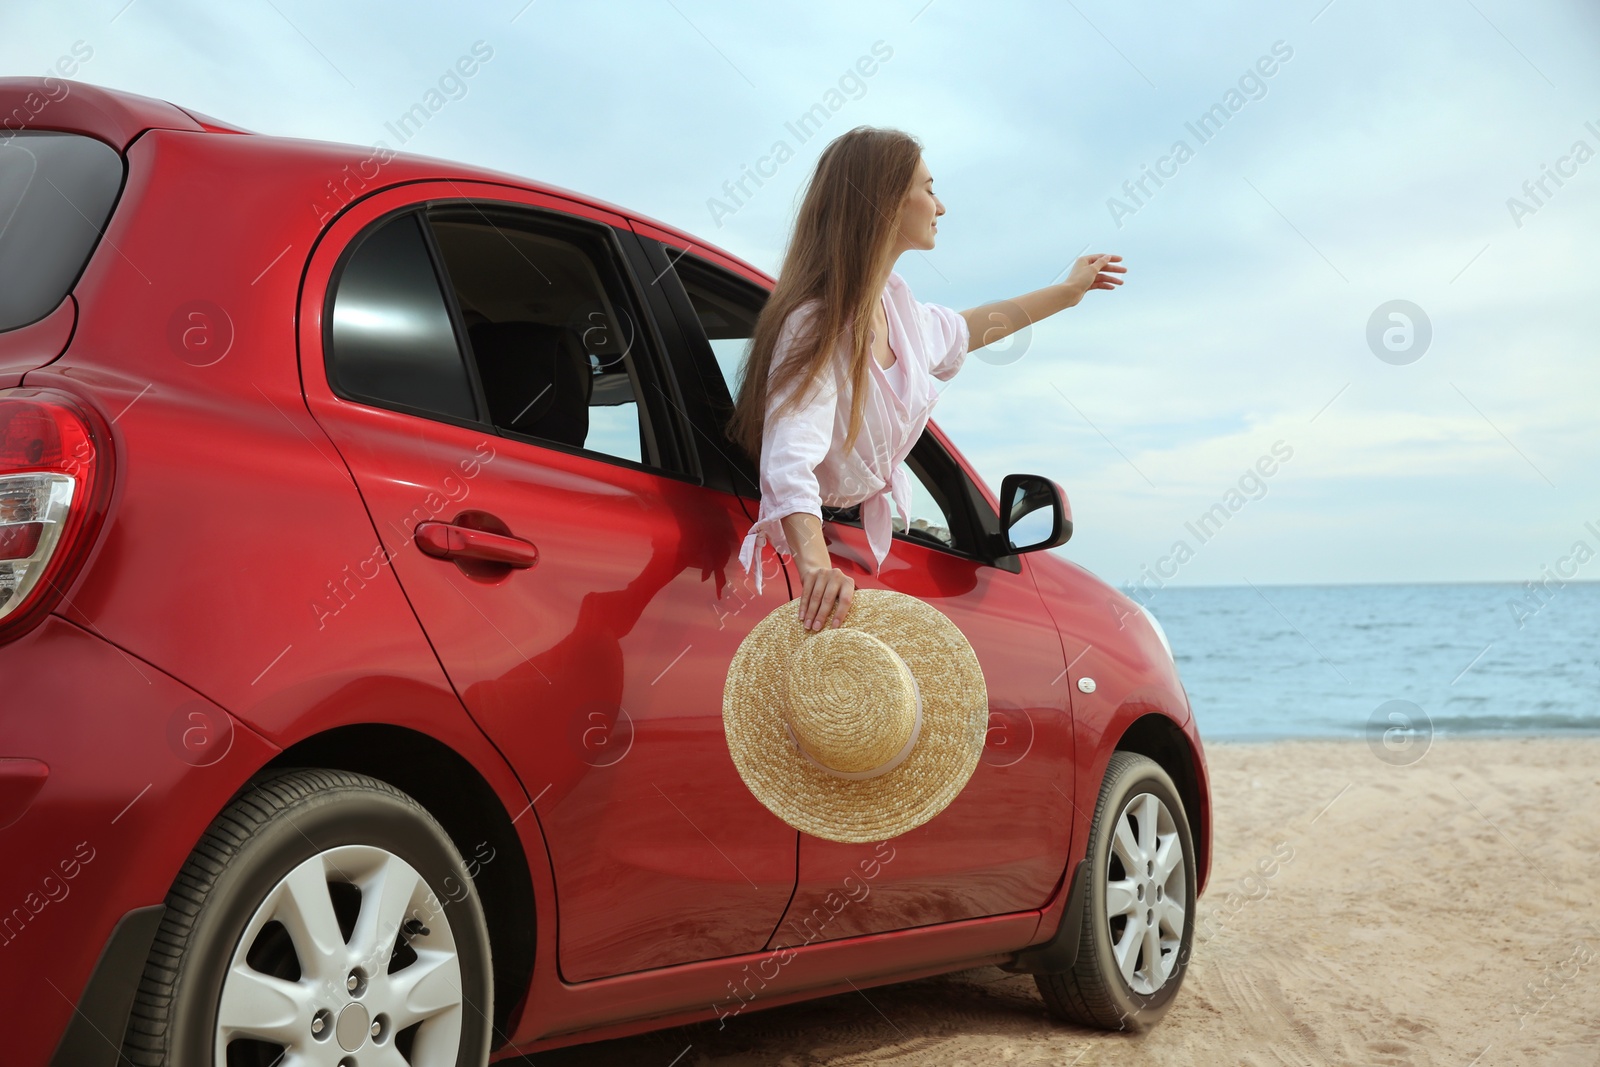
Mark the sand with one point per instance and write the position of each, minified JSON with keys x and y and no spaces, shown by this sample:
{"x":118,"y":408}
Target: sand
{"x":1441,"y":912}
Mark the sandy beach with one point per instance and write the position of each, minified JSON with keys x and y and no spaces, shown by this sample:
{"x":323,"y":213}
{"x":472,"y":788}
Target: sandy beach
{"x":1441,"y":912}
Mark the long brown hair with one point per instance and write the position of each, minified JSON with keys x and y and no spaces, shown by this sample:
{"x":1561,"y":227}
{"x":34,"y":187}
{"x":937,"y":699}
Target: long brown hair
{"x":843,"y":238}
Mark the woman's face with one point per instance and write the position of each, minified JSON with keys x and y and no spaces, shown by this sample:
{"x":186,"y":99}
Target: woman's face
{"x":919,"y":215}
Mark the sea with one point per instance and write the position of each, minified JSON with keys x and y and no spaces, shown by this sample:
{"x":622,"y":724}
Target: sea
{"x":1267,"y":662}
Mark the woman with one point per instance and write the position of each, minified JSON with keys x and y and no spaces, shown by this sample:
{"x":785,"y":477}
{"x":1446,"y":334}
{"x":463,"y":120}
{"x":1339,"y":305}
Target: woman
{"x":830,"y":410}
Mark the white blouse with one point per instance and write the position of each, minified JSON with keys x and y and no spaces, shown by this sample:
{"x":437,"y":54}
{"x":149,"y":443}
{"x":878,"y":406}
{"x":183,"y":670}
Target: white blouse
{"x":803,"y":464}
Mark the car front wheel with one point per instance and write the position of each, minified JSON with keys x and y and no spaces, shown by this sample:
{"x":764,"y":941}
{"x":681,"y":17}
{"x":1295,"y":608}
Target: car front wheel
{"x":323,"y":918}
{"x":1138,"y":914}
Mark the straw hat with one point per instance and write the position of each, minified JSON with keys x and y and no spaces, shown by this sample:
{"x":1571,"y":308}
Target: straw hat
{"x":858,"y":732}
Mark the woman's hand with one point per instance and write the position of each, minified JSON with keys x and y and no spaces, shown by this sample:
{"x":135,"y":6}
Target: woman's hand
{"x":821,"y":590}
{"x":1093,"y":272}
{"x":822,"y":585}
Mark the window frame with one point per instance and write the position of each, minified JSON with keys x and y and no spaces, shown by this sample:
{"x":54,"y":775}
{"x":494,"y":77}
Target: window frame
{"x":732,"y":287}
{"x":706,"y":411}
{"x":662,"y":435}
{"x":974,"y":524}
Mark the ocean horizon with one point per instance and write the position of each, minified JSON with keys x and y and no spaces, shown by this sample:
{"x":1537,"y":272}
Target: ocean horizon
{"x":1351,"y":660}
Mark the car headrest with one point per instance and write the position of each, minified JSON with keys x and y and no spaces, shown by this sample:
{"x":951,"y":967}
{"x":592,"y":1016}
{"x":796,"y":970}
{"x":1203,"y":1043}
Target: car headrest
{"x":536,"y":378}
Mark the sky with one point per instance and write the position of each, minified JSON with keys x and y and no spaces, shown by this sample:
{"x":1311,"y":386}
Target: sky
{"x":1355,"y":329}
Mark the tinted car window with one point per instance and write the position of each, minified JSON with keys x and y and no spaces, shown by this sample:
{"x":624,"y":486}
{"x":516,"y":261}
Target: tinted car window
{"x":56,"y":195}
{"x":550,"y":330}
{"x":393,"y":343}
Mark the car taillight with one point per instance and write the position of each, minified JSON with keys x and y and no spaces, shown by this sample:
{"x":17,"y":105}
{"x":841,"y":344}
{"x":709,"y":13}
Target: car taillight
{"x":55,"y":474}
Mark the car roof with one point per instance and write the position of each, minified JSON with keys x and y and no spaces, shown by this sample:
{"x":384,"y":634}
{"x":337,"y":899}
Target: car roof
{"x":118,"y":118}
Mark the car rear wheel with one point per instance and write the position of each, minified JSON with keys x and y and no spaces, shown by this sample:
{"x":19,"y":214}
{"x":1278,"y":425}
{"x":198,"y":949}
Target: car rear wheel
{"x":1138,"y":915}
{"x":324,"y":918}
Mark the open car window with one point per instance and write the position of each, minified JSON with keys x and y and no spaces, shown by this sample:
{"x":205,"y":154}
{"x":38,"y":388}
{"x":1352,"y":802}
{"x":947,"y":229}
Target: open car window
{"x":942,"y":515}
{"x":931,"y":519}
{"x":949,"y":512}
{"x":727,"y":313}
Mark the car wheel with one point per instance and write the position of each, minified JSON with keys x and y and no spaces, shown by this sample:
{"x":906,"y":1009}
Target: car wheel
{"x":1138,"y":915}
{"x":315,"y":923}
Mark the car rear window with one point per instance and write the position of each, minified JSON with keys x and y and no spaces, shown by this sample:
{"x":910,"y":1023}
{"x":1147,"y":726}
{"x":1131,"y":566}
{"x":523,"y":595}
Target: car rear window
{"x":56,"y":195}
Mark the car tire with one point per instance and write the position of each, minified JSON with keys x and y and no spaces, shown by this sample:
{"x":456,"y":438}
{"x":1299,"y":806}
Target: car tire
{"x":1125,"y":978}
{"x":325,"y":913}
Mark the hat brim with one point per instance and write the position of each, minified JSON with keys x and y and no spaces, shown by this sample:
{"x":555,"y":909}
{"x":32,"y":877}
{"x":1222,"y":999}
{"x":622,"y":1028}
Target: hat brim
{"x":955,"y":709}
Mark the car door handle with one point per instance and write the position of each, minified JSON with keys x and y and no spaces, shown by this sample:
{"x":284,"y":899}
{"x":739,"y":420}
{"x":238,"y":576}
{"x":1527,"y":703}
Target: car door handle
{"x":444,"y":540}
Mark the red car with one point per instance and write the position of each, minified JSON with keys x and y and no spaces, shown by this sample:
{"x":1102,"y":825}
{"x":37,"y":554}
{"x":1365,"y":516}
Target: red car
{"x":368,"y":580}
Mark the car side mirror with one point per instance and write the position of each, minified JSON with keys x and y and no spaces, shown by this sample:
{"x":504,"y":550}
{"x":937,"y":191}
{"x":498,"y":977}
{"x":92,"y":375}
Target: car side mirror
{"x":1034,"y":514}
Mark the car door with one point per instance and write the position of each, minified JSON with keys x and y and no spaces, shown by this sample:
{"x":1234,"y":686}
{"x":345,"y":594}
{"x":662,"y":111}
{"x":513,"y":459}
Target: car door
{"x":496,"y":386}
{"x":1001,"y":846}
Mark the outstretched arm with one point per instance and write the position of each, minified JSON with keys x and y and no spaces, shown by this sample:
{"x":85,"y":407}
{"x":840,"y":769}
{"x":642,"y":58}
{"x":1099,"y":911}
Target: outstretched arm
{"x":989,"y":323}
